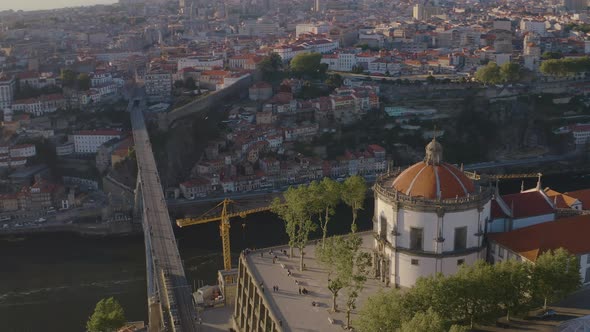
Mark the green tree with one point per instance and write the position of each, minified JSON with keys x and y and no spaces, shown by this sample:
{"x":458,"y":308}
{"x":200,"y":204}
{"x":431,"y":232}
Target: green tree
{"x":555,"y":274}
{"x":335,"y":257}
{"x":566,"y":66}
{"x":327,"y":196}
{"x":68,"y":78}
{"x":270,"y":66}
{"x":357,"y":69}
{"x":108,"y":316}
{"x":190,"y":84}
{"x":360,"y":262}
{"x":458,"y":328}
{"x":334,"y":81}
{"x":424,"y":321}
{"x":475,"y":297}
{"x":551,"y":55}
{"x":178,"y":84}
{"x":297,"y":213}
{"x":489,"y":74}
{"x":437,"y":292}
{"x":347,"y":266}
{"x":383,"y":312}
{"x":308,"y":65}
{"x":83,"y":81}
{"x":511,"y":72}
{"x":354,"y":191}
{"x":512,"y":286}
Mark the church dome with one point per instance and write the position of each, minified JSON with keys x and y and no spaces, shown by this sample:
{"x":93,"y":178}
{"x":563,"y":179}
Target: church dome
{"x":433,"y":178}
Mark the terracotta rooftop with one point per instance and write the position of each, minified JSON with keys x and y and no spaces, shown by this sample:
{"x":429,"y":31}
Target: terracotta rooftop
{"x":442,"y":181}
{"x":530,"y":242}
{"x":528,"y":204}
{"x":581,"y":195}
{"x":561,"y":201}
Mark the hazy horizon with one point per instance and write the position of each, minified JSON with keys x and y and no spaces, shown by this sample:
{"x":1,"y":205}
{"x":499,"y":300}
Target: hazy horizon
{"x":44,"y":4}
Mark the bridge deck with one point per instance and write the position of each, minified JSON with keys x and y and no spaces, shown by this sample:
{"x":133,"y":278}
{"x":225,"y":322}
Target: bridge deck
{"x":166,"y":257}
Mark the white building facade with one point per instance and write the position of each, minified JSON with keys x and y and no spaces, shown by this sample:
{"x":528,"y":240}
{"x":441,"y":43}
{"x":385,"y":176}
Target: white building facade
{"x":88,"y":141}
{"x":7,"y":90}
{"x":429,"y":219}
{"x":158,"y":84}
{"x":199,"y":62}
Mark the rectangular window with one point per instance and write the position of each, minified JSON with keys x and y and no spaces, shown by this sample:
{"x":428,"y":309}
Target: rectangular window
{"x":460,"y":262}
{"x":415,"y":262}
{"x":460,"y":238}
{"x":587,"y":258}
{"x":500,"y":252}
{"x":493,"y":248}
{"x":587,"y":276}
{"x":416,"y":238}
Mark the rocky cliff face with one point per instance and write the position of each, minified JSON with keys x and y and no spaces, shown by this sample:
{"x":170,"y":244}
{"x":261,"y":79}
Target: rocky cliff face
{"x":178,"y":149}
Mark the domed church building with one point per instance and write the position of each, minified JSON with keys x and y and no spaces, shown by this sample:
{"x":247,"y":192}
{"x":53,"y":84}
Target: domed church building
{"x":429,"y":218}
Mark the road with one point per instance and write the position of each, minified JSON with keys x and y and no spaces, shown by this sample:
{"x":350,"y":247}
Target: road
{"x":371,"y":179}
{"x":518,"y":162}
{"x":164,"y":250}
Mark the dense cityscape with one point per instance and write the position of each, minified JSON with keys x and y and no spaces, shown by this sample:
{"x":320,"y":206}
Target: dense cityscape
{"x":425,"y":163}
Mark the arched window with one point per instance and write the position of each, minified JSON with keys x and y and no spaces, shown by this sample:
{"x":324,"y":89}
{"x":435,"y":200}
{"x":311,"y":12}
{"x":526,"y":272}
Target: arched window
{"x":383,"y":226}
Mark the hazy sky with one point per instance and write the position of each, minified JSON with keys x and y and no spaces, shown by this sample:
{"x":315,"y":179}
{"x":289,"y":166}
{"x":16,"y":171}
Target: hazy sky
{"x":48,"y":4}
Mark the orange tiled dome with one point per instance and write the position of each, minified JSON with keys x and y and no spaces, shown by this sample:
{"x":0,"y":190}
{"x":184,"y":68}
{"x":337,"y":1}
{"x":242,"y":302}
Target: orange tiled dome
{"x":432,"y":178}
{"x":431,"y":181}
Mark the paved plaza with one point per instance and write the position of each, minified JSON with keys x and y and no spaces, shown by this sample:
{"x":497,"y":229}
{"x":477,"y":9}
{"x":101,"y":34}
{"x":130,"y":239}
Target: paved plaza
{"x":296,"y":310}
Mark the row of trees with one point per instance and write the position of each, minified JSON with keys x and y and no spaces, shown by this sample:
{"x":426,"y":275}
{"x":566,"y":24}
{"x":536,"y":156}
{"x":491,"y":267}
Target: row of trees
{"x":72,"y":79}
{"x":304,"y":65}
{"x":566,"y":66}
{"x":305,"y":207}
{"x":493,"y":74}
{"x":477,"y":294}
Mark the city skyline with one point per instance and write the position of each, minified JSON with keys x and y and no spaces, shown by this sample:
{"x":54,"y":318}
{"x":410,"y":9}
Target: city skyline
{"x":28,"y":5}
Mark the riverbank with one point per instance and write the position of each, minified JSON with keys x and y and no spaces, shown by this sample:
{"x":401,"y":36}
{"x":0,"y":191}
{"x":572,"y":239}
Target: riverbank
{"x":112,"y":229}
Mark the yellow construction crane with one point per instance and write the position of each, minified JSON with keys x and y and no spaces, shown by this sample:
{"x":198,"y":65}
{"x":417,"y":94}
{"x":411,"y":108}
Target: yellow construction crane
{"x":223,"y":225}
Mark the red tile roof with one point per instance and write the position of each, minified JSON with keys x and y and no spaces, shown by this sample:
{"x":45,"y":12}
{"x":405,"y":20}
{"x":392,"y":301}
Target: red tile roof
{"x":530,"y":242}
{"x":528,"y":204}
{"x":497,"y":212}
{"x":561,"y":201}
{"x":443,"y":181}
{"x":581,"y":195}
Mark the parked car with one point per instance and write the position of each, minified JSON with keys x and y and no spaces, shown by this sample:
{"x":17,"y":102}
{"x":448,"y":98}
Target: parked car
{"x":548,"y":314}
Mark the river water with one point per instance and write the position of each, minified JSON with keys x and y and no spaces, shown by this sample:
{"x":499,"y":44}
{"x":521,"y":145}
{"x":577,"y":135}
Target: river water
{"x":51,"y":282}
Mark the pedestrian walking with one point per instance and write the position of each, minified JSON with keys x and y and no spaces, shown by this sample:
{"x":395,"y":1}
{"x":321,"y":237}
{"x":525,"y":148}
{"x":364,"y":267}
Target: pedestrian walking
{"x":299,"y":290}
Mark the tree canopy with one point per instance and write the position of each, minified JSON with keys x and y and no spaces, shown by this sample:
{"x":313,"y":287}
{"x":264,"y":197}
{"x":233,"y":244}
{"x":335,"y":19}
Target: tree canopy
{"x":270,"y":66}
{"x":354,"y":191}
{"x":551,"y":55}
{"x":108,"y":316}
{"x":424,"y":321}
{"x":493,"y":74}
{"x":555,"y":274}
{"x":476,"y":294}
{"x":297,"y":212}
{"x":308,"y":65}
{"x":334,"y":81}
{"x":565,"y":66}
{"x":383,"y":312}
